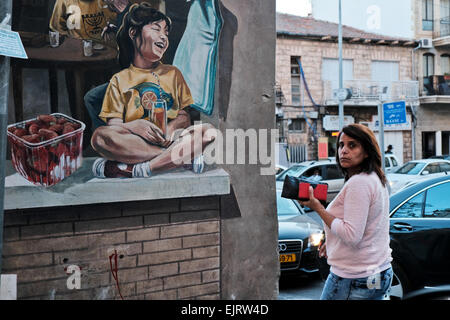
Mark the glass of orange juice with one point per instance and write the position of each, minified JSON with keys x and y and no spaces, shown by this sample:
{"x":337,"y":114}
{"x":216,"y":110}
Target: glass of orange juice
{"x":159,"y":114}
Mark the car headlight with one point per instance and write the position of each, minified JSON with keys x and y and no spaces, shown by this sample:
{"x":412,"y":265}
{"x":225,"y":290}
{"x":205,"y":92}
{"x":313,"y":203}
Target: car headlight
{"x":315,"y":239}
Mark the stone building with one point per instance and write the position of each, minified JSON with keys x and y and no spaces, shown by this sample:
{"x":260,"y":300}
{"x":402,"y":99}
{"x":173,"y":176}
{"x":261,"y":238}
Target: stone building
{"x":432,"y":62}
{"x":427,"y":22}
{"x":375,"y":68}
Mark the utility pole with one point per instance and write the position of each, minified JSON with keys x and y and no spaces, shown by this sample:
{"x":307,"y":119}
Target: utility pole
{"x":5,"y":10}
{"x":381,"y":131}
{"x":341,"y":76}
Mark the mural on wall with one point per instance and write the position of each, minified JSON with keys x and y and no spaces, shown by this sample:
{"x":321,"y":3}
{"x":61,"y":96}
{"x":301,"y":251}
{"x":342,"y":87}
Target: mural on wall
{"x":137,"y":106}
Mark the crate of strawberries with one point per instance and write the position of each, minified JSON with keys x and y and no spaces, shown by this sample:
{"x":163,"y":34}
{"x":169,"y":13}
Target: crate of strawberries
{"x":47,"y":149}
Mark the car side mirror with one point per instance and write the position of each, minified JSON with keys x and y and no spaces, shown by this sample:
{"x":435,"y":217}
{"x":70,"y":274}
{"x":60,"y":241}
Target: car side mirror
{"x":425,"y":172}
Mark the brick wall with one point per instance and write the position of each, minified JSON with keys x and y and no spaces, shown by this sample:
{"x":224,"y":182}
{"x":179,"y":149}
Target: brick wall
{"x":167,"y":249}
{"x":407,"y":146}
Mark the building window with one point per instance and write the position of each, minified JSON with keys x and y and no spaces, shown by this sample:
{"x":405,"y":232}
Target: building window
{"x":428,"y":64}
{"x":385,"y":71}
{"x":295,"y":81}
{"x":427,"y":15}
{"x":445,"y":10}
{"x":297,"y":125}
{"x":330,"y":71}
{"x":445,"y":64}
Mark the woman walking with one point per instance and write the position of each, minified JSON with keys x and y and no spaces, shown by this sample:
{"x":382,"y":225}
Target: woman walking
{"x":356,"y":222}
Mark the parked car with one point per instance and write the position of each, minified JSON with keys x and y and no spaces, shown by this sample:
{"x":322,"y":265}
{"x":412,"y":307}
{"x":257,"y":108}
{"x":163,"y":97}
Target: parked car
{"x":327,"y":170}
{"x":391,"y":163}
{"x":416,"y":170}
{"x":299,"y":235}
{"x":420,"y":236}
{"x":444,"y":156}
{"x":434,"y":293}
{"x":279,"y":168}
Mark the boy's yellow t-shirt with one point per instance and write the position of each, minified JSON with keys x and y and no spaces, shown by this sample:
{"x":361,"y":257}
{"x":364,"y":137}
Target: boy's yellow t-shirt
{"x":81,"y":19}
{"x":131,"y":91}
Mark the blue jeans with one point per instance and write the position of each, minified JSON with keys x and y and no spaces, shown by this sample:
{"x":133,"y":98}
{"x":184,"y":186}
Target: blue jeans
{"x":376,"y":287}
{"x":93,"y":100}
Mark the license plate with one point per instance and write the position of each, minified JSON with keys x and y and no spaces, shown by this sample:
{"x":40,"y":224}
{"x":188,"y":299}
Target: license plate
{"x":284,"y":258}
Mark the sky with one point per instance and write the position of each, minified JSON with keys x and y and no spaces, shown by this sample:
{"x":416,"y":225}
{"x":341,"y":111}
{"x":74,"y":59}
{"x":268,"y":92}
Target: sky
{"x":295,"y":7}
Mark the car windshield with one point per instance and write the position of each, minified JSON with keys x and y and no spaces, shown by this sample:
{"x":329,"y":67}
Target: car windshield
{"x":411,"y":168}
{"x":292,"y":171}
{"x":286,"y":206}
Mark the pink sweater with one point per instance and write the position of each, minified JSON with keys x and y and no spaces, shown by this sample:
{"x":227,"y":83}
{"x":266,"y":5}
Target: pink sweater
{"x":358,"y":241}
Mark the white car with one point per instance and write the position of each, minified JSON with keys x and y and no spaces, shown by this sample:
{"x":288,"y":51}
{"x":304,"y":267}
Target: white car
{"x":321,"y":170}
{"x":415,"y":171}
{"x":279,"y":169}
{"x":391,"y":163}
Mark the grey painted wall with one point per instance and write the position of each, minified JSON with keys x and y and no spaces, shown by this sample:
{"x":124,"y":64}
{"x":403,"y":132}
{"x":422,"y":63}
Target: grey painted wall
{"x":250,"y":264}
{"x":244,"y":99}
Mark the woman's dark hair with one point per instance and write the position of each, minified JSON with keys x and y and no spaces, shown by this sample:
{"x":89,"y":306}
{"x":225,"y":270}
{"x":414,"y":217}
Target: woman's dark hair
{"x":367,"y":139}
{"x":138,"y":16}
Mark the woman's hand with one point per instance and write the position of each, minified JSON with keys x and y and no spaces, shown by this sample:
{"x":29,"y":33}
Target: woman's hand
{"x":312,"y":203}
{"x":323,"y":250}
{"x":147,"y":131}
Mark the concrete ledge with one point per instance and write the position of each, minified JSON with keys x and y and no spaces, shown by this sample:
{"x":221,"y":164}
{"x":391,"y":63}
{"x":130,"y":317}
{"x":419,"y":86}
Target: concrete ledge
{"x":442,"y":41}
{"x":434,"y":99}
{"x":82,"y":188}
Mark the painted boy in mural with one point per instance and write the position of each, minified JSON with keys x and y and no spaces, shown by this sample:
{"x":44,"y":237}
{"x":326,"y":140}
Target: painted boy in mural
{"x":130,"y":144}
{"x":96,"y":20}
{"x":81,"y":19}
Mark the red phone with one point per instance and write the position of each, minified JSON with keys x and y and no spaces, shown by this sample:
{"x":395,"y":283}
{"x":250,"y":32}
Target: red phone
{"x":303,"y":191}
{"x":320,"y":191}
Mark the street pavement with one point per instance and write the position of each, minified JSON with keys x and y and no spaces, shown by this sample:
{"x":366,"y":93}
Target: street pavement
{"x":301,"y":288}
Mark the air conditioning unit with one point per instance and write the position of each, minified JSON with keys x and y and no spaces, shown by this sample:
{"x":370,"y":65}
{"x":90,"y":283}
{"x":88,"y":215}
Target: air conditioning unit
{"x":426,"y":43}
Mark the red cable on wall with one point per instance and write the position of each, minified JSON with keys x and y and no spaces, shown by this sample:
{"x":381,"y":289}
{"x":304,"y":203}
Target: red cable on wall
{"x":114,"y":270}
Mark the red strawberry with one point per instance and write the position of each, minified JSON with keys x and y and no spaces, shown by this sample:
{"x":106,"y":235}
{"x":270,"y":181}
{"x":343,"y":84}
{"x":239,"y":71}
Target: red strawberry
{"x":61,"y":120}
{"x":32,"y":138}
{"x":61,"y":150}
{"x":68,"y":127}
{"x":47,"y":134}
{"x":47,"y":118}
{"x":20,"y":132}
{"x":40,"y":159}
{"x":58,"y":128}
{"x":33,"y":128}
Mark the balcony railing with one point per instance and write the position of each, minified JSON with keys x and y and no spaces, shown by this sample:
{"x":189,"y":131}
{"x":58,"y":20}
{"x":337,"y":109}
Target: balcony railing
{"x":367,"y":92}
{"x":436,"y":85}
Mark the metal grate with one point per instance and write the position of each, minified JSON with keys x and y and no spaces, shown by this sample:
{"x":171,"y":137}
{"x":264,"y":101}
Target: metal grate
{"x":292,"y":246}
{"x":298,"y":153}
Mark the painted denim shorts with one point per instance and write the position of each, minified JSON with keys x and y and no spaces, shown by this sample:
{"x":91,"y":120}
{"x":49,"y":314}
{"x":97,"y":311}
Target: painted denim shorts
{"x":376,"y":287}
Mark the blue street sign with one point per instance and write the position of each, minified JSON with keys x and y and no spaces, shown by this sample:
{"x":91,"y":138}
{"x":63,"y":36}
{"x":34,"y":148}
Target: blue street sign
{"x":394,"y":112}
